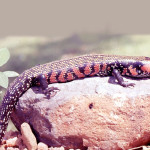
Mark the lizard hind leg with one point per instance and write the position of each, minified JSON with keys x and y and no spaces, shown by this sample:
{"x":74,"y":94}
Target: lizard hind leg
{"x":41,"y":81}
{"x":120,"y":79}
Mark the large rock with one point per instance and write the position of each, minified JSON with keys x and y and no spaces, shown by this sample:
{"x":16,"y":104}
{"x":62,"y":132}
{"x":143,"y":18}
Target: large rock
{"x":88,"y":113}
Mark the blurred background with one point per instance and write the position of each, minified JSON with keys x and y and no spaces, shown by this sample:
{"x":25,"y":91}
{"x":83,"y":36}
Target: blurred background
{"x":38,"y":32}
{"x":28,"y":51}
{"x":43,"y":31}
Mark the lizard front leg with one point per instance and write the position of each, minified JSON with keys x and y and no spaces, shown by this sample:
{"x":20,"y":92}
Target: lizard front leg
{"x":120,"y":79}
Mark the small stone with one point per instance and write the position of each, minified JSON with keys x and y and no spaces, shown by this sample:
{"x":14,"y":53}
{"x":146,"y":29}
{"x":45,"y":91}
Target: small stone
{"x":28,"y":137}
{"x":42,"y":146}
{"x":11,"y":134}
{"x":20,"y":143}
{"x":2,"y":147}
{"x":146,"y":148}
{"x":11,"y":142}
{"x":56,"y":148}
{"x":11,"y":148}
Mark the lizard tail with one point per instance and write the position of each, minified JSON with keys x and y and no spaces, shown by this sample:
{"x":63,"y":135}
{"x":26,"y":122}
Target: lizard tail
{"x":5,"y":112}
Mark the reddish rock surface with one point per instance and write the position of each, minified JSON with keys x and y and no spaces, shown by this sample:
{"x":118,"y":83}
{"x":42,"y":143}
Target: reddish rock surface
{"x":42,"y":146}
{"x":88,"y":113}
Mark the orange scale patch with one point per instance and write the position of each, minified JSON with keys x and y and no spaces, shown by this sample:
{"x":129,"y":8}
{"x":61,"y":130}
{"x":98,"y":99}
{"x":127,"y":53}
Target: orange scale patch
{"x":146,"y":68}
{"x":124,"y":71}
{"x":133,"y":71}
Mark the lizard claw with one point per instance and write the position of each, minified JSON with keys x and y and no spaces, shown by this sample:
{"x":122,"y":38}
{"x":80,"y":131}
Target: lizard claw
{"x":50,"y":92}
{"x":126,"y":84}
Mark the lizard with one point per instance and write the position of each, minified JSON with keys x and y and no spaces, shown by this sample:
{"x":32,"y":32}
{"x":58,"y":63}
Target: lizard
{"x":70,"y":69}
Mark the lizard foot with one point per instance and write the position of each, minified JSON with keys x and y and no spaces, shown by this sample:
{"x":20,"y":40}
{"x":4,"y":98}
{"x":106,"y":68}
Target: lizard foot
{"x":50,"y":92}
{"x":126,"y":84}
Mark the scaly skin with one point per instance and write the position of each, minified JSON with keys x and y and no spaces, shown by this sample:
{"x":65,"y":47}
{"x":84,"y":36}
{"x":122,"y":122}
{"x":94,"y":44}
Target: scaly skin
{"x":68,"y":70}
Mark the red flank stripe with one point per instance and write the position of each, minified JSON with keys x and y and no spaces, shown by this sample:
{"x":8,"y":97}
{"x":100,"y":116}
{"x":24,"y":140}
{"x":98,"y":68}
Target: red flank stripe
{"x":53,"y":77}
{"x":124,"y":71}
{"x":87,"y":69}
{"x":96,"y":69}
{"x":104,"y":67}
{"x":69,"y":76}
{"x":77,"y":72}
{"x":61,"y":76}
